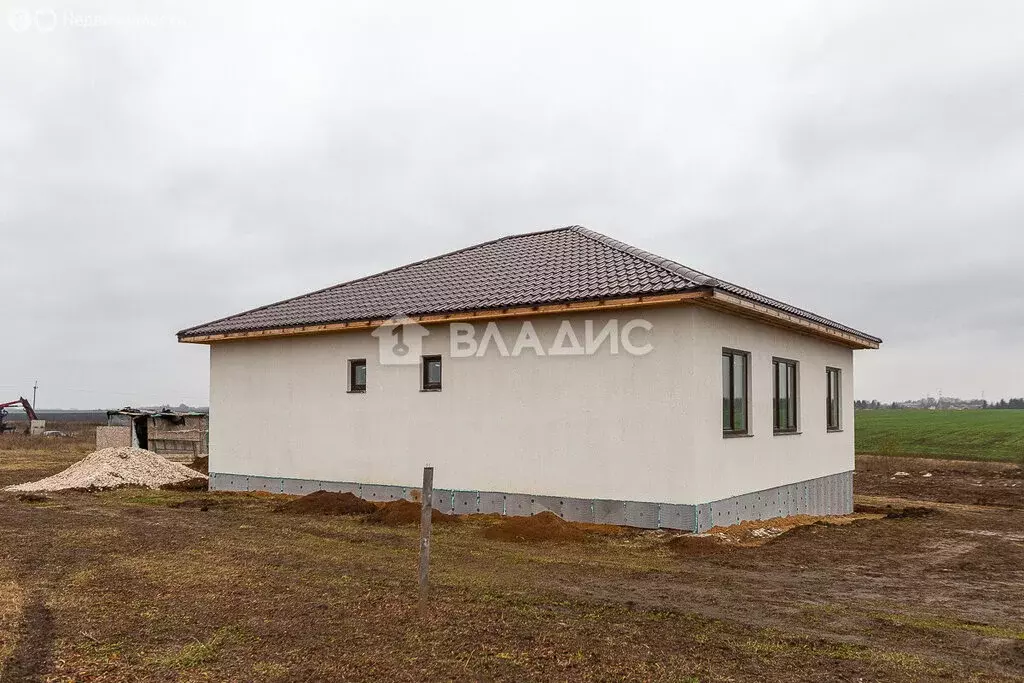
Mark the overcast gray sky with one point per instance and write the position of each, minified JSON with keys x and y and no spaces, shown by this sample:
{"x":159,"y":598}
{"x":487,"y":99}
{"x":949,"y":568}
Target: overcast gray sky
{"x":163,"y":164}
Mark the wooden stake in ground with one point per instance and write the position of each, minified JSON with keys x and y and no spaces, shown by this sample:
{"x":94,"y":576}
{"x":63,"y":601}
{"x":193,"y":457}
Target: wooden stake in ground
{"x":427,"y":496}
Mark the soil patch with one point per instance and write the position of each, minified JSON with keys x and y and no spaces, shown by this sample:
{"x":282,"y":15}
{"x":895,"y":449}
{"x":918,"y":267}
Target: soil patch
{"x":328,"y":503}
{"x":753,"y":533}
{"x":33,"y":497}
{"x":758,"y":532}
{"x":947,"y":481}
{"x":401,"y":512}
{"x":544,"y":526}
{"x":889,"y":512}
{"x":194,"y":484}
{"x":697,"y":546}
{"x":202,"y":504}
{"x":201,"y":464}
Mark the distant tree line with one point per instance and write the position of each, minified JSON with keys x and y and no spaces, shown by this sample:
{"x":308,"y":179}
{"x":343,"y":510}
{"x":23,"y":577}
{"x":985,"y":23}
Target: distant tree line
{"x":872,"y":405}
{"x":1002,"y":404}
{"x":1014,"y":403}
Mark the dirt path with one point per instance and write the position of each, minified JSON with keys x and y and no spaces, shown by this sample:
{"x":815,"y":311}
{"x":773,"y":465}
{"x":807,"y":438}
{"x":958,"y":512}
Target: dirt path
{"x":33,"y":649}
{"x":38,"y":570}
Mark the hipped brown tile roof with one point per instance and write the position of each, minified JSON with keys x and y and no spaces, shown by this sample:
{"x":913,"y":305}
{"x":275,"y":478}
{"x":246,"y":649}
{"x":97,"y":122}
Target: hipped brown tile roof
{"x":548,"y":267}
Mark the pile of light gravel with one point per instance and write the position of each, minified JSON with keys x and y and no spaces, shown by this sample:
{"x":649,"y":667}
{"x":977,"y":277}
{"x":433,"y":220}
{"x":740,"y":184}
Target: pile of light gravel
{"x":113,"y":467}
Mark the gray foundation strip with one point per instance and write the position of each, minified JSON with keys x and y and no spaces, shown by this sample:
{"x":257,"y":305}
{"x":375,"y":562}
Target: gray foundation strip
{"x":829,"y":495}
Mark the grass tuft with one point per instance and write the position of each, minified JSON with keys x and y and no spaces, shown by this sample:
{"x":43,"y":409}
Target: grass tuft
{"x":199,"y":652}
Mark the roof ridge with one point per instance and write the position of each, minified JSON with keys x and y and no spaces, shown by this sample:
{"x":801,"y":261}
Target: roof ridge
{"x":695,"y":276}
{"x":373,"y":275}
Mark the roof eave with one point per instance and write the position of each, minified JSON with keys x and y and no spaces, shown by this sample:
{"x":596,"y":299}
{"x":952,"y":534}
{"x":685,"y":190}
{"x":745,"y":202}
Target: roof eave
{"x":707,"y":296}
{"x":433,"y":318}
{"x":738,"y":305}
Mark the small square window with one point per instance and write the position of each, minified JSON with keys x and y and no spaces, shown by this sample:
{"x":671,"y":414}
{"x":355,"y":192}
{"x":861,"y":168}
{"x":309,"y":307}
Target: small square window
{"x":431,"y":373}
{"x":357,"y":375}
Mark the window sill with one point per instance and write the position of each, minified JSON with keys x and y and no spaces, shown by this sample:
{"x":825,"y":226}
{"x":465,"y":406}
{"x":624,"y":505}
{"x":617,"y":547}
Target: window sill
{"x":356,"y":391}
{"x":777,"y":433}
{"x":736,"y":435}
{"x":834,"y":431}
{"x":430,"y":391}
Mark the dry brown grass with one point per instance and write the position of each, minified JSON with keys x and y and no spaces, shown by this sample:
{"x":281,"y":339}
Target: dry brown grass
{"x":11,"y":598}
{"x":131,"y":585}
{"x":22,"y":457}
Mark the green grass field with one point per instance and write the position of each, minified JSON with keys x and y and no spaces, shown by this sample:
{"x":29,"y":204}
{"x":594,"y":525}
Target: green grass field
{"x":962,"y":435}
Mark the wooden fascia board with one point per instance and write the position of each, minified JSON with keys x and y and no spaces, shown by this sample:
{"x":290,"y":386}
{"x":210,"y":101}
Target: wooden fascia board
{"x":737,"y":305}
{"x":488,"y":314}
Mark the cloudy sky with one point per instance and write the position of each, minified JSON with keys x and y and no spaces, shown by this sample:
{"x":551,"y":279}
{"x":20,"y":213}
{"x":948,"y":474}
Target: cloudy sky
{"x":163,"y":164}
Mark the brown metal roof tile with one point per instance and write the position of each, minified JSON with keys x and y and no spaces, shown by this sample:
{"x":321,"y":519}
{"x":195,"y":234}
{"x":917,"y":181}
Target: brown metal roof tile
{"x":553,"y":266}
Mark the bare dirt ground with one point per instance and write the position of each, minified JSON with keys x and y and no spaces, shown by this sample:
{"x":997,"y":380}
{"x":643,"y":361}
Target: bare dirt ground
{"x":188,"y":586}
{"x":950,"y":481}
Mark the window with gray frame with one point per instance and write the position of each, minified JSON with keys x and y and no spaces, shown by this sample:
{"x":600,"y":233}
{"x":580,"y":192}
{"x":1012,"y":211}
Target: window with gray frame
{"x":735,"y":366}
{"x":785,"y":396}
{"x":357,"y":375}
{"x":431,"y":373}
{"x":834,"y":399}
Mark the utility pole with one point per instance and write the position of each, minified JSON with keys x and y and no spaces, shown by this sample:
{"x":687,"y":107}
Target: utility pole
{"x":35,"y":388}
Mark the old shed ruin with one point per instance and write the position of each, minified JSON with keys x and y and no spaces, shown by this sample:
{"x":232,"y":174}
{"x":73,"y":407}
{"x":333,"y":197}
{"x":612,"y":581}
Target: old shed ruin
{"x":167,"y":432}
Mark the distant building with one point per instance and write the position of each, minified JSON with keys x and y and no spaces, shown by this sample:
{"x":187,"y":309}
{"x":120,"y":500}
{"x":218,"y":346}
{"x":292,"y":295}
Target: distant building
{"x":167,"y":432}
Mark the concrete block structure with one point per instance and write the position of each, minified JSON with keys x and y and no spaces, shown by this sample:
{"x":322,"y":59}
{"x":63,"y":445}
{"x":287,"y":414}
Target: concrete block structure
{"x":171,"y":433}
{"x":560,"y":370}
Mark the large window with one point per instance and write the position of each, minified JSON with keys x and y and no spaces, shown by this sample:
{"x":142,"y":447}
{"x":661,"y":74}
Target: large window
{"x":357,"y":375}
{"x":834,"y":399}
{"x":785,"y":396}
{"x":431,"y":373}
{"x":734,"y":392}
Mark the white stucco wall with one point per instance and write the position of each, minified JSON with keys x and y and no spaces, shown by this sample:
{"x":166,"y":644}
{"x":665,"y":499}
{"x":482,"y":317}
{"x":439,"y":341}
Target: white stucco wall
{"x":608,"y":426}
{"x":732,"y":466}
{"x":605,"y":426}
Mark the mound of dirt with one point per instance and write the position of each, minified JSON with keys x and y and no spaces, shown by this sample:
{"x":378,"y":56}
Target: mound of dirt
{"x":544,"y":526}
{"x":32,"y":498}
{"x":911,"y":512}
{"x":114,"y":467}
{"x":891,"y":512}
{"x":201,"y":464}
{"x":758,"y":532}
{"x":196,"y":483}
{"x":698,"y":546}
{"x":327,"y":503}
{"x":401,"y":512}
{"x":754,"y":533}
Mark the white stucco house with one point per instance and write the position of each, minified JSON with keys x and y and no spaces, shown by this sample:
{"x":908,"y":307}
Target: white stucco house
{"x":558,"y":370}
